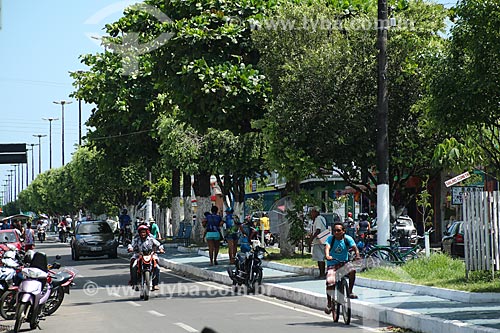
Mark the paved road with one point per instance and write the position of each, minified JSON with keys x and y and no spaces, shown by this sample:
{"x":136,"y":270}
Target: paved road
{"x":101,"y":301}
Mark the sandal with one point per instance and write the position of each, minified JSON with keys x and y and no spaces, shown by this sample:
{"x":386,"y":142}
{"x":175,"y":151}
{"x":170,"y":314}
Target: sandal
{"x":328,"y":309}
{"x":353,"y":296}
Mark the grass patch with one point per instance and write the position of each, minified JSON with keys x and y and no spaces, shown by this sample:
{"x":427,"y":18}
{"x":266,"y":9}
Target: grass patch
{"x":438,"y":271}
{"x":297,"y":259}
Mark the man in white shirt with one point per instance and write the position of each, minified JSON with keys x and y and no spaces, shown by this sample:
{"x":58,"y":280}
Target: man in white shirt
{"x":318,"y":249}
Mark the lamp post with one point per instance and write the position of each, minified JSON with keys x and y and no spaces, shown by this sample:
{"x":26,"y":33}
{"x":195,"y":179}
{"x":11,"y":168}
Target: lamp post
{"x":62,"y":102}
{"x":32,"y":160}
{"x":39,"y":136}
{"x":50,"y":120}
{"x":15,"y":180}
{"x":10,"y":184}
{"x":27,"y":171}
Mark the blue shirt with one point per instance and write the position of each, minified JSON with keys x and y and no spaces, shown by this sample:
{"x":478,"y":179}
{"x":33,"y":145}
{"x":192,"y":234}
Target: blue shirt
{"x":124,"y":220}
{"x":338,"y":250}
{"x":213,"y":222}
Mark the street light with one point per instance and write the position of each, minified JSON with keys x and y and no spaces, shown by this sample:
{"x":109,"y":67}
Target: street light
{"x":15,"y":179}
{"x":32,"y":160}
{"x":39,"y":136}
{"x":50,"y":119}
{"x":62,"y":102}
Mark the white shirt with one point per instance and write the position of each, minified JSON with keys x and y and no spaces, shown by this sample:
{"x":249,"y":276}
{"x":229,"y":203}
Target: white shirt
{"x":319,"y":223}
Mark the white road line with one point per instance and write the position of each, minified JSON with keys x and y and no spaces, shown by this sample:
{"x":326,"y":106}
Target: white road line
{"x":133,"y":303}
{"x":186,"y":327}
{"x":116,"y":295}
{"x":371,"y":329}
{"x":156,"y":313}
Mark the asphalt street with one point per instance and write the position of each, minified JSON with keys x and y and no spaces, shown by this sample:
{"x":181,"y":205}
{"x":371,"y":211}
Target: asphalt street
{"x":102,"y":301}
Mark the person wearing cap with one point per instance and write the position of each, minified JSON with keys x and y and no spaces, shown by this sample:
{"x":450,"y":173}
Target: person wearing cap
{"x":231,"y":222}
{"x":155,"y":230}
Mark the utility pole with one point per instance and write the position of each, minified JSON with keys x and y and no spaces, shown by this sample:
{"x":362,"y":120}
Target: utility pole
{"x":39,"y":136}
{"x":62,"y":102}
{"x":50,"y":119}
{"x":383,"y":199}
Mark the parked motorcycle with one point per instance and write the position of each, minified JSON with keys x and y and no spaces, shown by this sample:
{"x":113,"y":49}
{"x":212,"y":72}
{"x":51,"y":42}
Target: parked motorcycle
{"x":146,"y":265}
{"x":248,"y":267}
{"x":33,"y":292}
{"x":60,"y":283}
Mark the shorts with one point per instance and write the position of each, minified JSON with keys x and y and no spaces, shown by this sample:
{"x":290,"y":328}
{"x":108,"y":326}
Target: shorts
{"x":233,"y":236}
{"x":339,"y":269}
{"x":213,"y":235}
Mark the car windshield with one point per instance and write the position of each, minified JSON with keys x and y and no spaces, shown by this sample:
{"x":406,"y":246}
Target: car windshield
{"x":94,"y":228}
{"x":403,"y":222}
{"x":8,"y":237}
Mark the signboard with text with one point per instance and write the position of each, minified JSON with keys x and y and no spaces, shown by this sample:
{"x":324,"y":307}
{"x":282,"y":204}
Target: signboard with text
{"x":457,"y":192}
{"x":457,"y":179}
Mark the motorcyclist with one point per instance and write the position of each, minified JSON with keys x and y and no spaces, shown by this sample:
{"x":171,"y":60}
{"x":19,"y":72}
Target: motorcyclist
{"x":363,"y":227}
{"x":143,"y":241}
{"x":125,"y":222}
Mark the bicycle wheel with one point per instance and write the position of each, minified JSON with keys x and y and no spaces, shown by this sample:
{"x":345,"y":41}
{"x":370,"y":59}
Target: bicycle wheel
{"x":346,"y":301}
{"x":380,"y":257}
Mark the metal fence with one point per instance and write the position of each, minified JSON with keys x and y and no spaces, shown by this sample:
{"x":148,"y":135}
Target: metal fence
{"x":481,"y":214}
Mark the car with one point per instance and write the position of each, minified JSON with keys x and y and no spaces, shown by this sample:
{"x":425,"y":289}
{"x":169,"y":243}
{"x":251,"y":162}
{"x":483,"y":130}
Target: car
{"x":405,"y":230}
{"x":452,"y":242}
{"x":10,"y":237}
{"x":93,"y":239}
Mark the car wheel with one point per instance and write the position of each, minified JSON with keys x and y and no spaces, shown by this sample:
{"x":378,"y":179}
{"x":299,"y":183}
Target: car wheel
{"x":74,"y":255}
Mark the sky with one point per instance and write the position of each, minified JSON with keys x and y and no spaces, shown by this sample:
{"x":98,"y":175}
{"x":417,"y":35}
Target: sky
{"x":40,"y":43}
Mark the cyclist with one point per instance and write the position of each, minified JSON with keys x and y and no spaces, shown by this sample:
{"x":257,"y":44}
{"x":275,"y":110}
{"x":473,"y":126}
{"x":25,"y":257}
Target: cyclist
{"x":337,"y":248}
{"x":363,"y":227}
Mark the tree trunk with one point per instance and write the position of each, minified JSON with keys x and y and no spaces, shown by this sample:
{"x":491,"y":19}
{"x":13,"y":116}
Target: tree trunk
{"x":186,"y":195}
{"x":286,"y":249}
{"x":202,"y":192}
{"x":176,"y":201}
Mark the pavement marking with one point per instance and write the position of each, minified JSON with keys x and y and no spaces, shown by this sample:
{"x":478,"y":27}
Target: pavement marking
{"x":115,"y":294}
{"x":371,"y":329}
{"x":133,"y":303}
{"x":186,"y":327}
{"x":156,"y":313}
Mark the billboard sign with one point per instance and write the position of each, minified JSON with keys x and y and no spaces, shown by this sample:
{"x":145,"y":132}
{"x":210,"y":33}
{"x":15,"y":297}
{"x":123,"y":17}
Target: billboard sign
{"x":458,"y":191}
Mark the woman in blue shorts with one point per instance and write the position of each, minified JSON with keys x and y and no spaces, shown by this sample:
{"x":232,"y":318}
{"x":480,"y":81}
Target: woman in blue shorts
{"x":213,"y":224}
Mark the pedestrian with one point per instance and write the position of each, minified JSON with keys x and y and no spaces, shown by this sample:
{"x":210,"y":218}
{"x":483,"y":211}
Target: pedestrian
{"x":155,"y":230}
{"x":29,"y":237}
{"x":318,"y":249}
{"x":231,"y":222}
{"x":213,"y":225}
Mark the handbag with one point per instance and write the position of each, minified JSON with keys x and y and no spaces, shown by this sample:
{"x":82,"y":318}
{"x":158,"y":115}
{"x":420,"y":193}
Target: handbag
{"x":322,"y":236}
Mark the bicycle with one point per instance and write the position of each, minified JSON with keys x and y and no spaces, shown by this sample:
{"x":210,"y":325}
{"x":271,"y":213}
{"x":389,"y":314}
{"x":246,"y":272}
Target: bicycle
{"x":340,"y":298}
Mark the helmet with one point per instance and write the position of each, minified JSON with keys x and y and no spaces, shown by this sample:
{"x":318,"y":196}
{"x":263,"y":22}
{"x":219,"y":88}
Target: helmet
{"x":229,"y":210}
{"x":28,"y":256}
{"x":142,"y":227}
{"x":9,"y":255}
{"x":363,"y":216}
{"x":124,"y":211}
{"x":349,"y":214}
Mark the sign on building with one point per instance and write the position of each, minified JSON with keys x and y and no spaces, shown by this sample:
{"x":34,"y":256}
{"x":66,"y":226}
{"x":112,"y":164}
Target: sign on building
{"x":457,"y":191}
{"x":457,"y":179}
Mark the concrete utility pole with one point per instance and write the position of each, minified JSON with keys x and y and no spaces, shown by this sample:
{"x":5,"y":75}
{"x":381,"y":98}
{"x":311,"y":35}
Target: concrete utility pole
{"x":32,"y":160}
{"x":50,"y":119}
{"x":383,"y":199}
{"x":62,"y":102}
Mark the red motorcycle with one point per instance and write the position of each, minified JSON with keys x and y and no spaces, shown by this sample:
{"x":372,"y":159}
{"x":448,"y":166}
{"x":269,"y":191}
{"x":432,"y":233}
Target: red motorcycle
{"x":146,"y":268}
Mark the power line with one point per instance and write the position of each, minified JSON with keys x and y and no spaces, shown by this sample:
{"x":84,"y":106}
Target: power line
{"x":122,"y":135}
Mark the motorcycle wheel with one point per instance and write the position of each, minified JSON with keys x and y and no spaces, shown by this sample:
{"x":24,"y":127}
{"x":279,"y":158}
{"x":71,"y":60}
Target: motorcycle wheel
{"x":20,"y":315}
{"x":54,"y":302}
{"x":34,"y":320}
{"x":8,"y":305}
{"x":146,"y":285}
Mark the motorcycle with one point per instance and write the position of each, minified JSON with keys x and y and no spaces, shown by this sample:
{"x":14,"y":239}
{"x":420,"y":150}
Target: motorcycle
{"x":270,"y":239}
{"x":63,"y":235}
{"x":126,"y":235}
{"x":60,"y":283}
{"x":41,"y":234}
{"x":248,"y":267}
{"x":146,"y":265}
{"x":33,"y":292}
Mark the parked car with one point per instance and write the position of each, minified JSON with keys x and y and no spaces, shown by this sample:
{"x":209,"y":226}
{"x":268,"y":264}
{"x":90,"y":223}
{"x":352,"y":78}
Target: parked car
{"x":453,"y":241}
{"x":93,"y":239}
{"x":9,"y":237}
{"x":403,"y":228}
